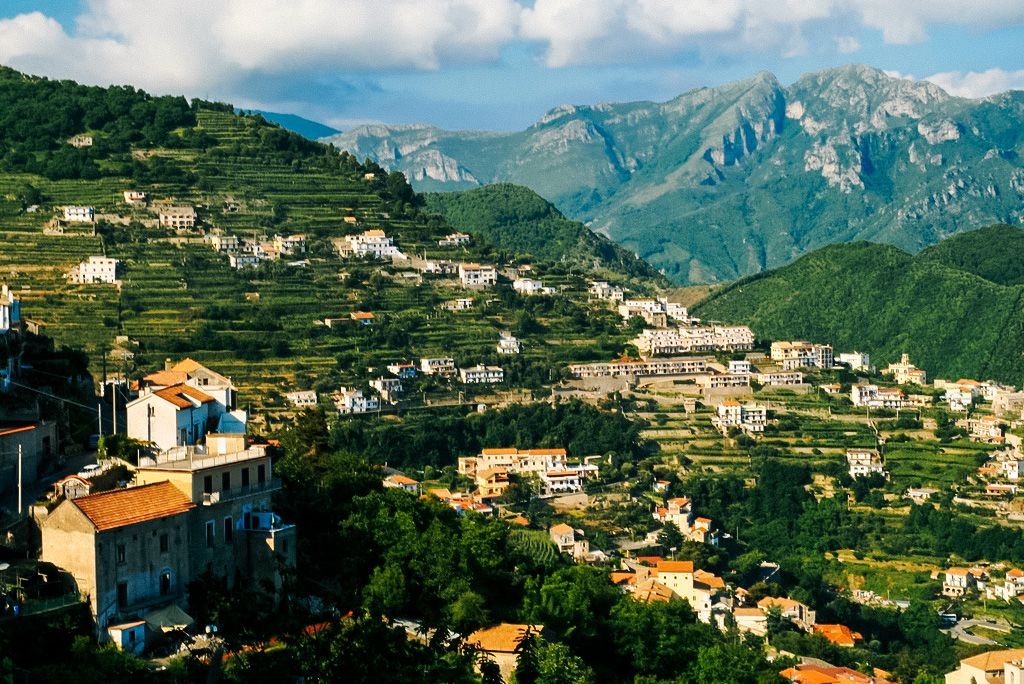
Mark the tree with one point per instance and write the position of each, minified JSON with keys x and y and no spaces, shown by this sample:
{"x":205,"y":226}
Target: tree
{"x":670,"y":538}
{"x":527,"y":660}
{"x":557,"y":665}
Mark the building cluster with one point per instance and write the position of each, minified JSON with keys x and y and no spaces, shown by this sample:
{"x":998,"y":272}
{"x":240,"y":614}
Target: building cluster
{"x":751,"y":418}
{"x":906,"y":373}
{"x":370,"y":244}
{"x":678,"y":511}
{"x":688,"y":339}
{"x":199,"y":505}
{"x":657,"y":312}
{"x":244,"y":253}
{"x":454,"y":240}
{"x":800,"y":354}
{"x":602,"y":290}
{"x":865,"y":462}
{"x":548,"y":469}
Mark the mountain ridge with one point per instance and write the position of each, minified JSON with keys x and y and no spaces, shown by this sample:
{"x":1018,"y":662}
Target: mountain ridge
{"x":720,"y":182}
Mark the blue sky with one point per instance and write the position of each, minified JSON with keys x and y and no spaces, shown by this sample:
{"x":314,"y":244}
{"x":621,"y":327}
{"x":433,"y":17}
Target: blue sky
{"x":497,"y":64}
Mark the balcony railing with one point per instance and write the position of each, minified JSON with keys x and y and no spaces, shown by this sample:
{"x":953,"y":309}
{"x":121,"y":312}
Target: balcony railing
{"x":211,"y":498}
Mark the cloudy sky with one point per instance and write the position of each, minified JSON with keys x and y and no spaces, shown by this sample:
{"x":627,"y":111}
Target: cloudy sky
{"x":497,"y":64}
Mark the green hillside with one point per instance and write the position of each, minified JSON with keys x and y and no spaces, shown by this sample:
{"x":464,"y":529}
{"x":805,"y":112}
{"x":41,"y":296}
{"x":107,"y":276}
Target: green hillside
{"x":516,"y":218}
{"x":246,"y":177}
{"x":994,"y":253}
{"x":723,"y":182}
{"x":881,"y":300}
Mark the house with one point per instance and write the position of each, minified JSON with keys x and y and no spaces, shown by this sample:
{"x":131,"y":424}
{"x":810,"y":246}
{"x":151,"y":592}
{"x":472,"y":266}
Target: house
{"x":678,"y":576}
{"x":177,"y":217}
{"x":561,"y":482}
{"x":570,"y":541}
{"x":135,"y":198}
{"x":960,"y":399}
{"x":481,"y":374}
{"x":740,"y":368}
{"x":957,"y":582}
{"x":873,"y":396}
{"x":349,"y":401}
{"x":195,"y":374}
{"x":35,"y":441}
{"x":228,"y":244}
{"x":864,"y":462}
{"x":801,"y":354}
{"x":600,"y":289}
{"x":823,"y":673}
{"x":126,"y":549}
{"x":434,"y":267}
{"x":10,"y":310}
{"x":840,"y":635}
{"x":778,"y":378}
{"x":500,"y":643}
{"x":987,"y":429}
{"x":525,"y":286}
{"x":372,"y":244}
{"x":832,"y":388}
{"x":289,"y":245}
{"x":79,"y":214}
{"x":477,"y":275}
{"x":403,"y":371}
{"x":71,"y":487}
{"x":920,"y":495}
{"x":240,"y":261}
{"x":857,"y":361}
{"x":751,"y":418}
{"x":178,"y":415}
{"x":362,"y":317}
{"x":460,"y":304}
{"x":508,"y":344}
{"x":443,"y":366}
{"x":453,"y":240}
{"x":1011,"y":588}
{"x":661,"y":486}
{"x":129,"y":636}
{"x":491,"y":482}
{"x":794,"y":611}
{"x":400,"y":481}
{"x":753,"y":620}
{"x":81,"y":140}
{"x":96,"y":269}
{"x":302,"y":398}
{"x":532,"y":462}
{"x":906,"y":373}
{"x":992,"y":667}
{"x":388,"y":388}
{"x":652,"y":367}
{"x":688,"y":339}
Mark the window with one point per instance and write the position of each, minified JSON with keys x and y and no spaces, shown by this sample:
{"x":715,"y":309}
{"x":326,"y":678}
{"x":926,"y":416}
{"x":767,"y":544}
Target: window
{"x":122,"y":595}
{"x":165,"y":543}
{"x":165,"y":583}
{"x":122,"y":553}
{"x":261,"y":473}
{"x":208,"y":484}
{"x":229,"y":530}
{"x":245,"y":477}
{"x":210,"y":534}
{"x":225,"y":481}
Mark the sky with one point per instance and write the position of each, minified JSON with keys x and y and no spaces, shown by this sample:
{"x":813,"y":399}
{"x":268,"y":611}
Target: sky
{"x":497,"y":64}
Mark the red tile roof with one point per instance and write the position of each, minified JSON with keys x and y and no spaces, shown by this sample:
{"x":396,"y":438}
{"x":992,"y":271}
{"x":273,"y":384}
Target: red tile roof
{"x":674,"y":566}
{"x":181,"y":395}
{"x":120,"y":507}
{"x":840,"y":635}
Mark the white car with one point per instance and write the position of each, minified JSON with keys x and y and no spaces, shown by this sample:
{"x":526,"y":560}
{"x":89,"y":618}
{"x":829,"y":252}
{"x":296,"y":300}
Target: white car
{"x":91,"y":470}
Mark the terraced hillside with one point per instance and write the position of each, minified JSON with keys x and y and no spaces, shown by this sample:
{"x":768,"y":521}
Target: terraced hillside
{"x":263,"y":326}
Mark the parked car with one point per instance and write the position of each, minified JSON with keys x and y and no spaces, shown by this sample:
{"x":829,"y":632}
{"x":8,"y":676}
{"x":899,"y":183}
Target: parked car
{"x":91,"y":470}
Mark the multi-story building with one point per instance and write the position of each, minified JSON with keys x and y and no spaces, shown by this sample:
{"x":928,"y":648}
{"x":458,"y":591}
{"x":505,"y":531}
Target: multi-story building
{"x":453,"y":240}
{"x":302,"y":398}
{"x":443,"y":366}
{"x":690,"y":365}
{"x":957,"y":582}
{"x":800,"y":354}
{"x":460,"y":304}
{"x":79,"y":214}
{"x":10,"y":310}
{"x":857,"y":361}
{"x":522,"y":462}
{"x":477,"y":275}
{"x":508,"y":344}
{"x":526,"y":286}
{"x":178,"y":217}
{"x":229,"y":244}
{"x":873,"y":396}
{"x":404,"y":371}
{"x":249,"y":260}
{"x":600,"y":289}
{"x":779,"y":378}
{"x":689,"y":339}
{"x":289,"y":245}
{"x":369,"y":244}
{"x":435,"y":267}
{"x":750,"y":418}
{"x":864,"y":462}
{"x":906,"y":373}
{"x":481,"y":374}
{"x":354,"y":401}
{"x":959,"y":399}
{"x":96,"y":269}
{"x":740,"y":368}
{"x":388,"y":388}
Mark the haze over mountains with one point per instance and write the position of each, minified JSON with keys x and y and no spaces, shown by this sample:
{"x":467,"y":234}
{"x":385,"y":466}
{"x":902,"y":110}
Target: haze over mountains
{"x":724,"y":182}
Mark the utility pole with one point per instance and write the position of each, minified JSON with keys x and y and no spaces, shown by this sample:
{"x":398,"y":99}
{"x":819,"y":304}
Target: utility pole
{"x":113,"y":403}
{"x":19,"y":481}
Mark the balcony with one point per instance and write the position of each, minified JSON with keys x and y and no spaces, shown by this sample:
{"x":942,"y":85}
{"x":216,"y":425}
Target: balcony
{"x":211,"y":498}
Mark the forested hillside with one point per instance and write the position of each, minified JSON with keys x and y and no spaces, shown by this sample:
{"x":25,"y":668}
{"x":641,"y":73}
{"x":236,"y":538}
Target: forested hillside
{"x":516,"y":218}
{"x":879,"y":299}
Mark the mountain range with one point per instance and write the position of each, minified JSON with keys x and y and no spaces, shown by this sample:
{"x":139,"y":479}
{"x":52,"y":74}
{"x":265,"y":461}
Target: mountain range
{"x":957,"y":308}
{"x":724,"y":182}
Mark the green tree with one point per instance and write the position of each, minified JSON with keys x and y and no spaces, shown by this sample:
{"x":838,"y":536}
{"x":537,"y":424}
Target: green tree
{"x":556,"y":664}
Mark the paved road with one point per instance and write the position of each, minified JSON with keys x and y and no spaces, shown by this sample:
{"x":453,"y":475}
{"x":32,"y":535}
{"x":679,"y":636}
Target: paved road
{"x":959,"y":631}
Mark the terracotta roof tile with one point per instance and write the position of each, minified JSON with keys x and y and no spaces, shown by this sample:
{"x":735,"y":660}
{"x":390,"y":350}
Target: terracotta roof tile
{"x":675,"y":566}
{"x":994,"y":660}
{"x":503,"y":638}
{"x":120,"y":507}
{"x":181,"y":395}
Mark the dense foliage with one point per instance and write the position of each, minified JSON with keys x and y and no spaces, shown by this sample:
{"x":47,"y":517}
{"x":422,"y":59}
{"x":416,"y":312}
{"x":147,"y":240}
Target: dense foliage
{"x":877,"y":299}
{"x":516,"y":218}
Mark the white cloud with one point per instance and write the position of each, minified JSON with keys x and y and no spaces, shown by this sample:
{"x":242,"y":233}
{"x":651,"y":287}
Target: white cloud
{"x":847,"y":44}
{"x":978,"y":83}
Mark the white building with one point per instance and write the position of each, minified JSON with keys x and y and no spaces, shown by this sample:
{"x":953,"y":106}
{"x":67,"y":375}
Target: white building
{"x":460,"y":304}
{"x":857,"y":361}
{"x":178,"y":217}
{"x":873,"y":396}
{"x":507,"y":344}
{"x":688,"y":365}
{"x":690,"y":339}
{"x":354,"y":401}
{"x":453,"y":240}
{"x":532,"y":462}
{"x":135,"y":197}
{"x":179,"y":415}
{"x":369,"y":244}
{"x":800,"y":354}
{"x":79,"y":214}
{"x":302,"y":398}
{"x":739,"y":368}
{"x":779,"y":378}
{"x":525,"y":286}
{"x":388,"y":388}
{"x":96,"y":269}
{"x":443,"y":366}
{"x":240,"y":261}
{"x":477,"y":275}
{"x":10,"y":309}
{"x":751,"y":418}
{"x":289,"y":245}
{"x":481,"y":374}
{"x":439,"y":267}
{"x":229,"y":244}
{"x":864,"y":462}
{"x":959,"y":398}
{"x":600,"y":289}
{"x":561,"y":482}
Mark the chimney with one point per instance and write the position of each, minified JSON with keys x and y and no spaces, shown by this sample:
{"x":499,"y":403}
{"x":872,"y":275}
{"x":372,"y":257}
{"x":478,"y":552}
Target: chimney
{"x":168,"y":364}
